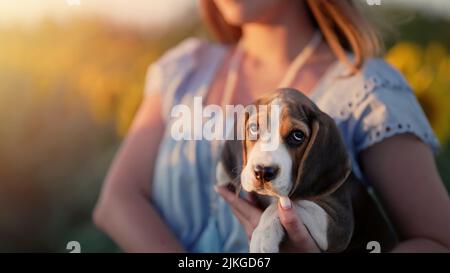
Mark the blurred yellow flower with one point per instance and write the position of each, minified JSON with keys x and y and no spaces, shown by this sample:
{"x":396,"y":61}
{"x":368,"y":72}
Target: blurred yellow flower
{"x":428,"y":72}
{"x":99,"y":66}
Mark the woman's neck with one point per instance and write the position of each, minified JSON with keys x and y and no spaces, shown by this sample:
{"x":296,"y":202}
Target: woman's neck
{"x":280,"y":41}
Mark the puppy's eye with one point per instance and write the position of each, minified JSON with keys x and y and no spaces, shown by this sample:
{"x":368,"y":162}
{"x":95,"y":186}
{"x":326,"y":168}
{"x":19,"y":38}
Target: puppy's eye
{"x":253,"y":130}
{"x":296,"y":138}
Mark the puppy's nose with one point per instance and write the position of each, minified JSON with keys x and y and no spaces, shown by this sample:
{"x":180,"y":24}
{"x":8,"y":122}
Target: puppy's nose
{"x":266,"y":173}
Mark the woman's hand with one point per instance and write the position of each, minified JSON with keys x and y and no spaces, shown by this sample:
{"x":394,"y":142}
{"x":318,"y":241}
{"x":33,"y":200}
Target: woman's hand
{"x":248,"y":214}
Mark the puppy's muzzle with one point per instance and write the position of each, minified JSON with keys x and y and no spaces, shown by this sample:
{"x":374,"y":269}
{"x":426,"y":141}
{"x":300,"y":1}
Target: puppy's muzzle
{"x":265,"y":173}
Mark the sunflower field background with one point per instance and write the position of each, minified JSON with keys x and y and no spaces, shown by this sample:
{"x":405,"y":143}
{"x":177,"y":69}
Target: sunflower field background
{"x":68,"y":92}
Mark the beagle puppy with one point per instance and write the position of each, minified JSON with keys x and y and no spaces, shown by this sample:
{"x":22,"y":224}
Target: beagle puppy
{"x":311,"y":167}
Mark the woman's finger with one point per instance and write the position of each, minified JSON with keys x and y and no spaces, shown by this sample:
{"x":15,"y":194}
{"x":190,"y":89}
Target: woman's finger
{"x":245,"y":221}
{"x":241,"y":206}
{"x":295,"y":229}
{"x":248,"y":227}
{"x":290,"y":220}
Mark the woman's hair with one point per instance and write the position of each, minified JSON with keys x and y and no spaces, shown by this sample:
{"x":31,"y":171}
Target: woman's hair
{"x":341,"y":22}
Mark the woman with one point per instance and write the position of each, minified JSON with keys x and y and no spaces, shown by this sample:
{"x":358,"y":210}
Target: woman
{"x":158,"y":195}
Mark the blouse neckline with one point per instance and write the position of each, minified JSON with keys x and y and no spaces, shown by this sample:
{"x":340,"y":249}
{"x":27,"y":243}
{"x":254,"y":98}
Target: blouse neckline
{"x":218,"y":54}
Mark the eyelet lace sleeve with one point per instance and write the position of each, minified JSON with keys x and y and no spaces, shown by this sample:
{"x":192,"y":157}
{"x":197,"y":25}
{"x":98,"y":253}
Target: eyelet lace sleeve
{"x":388,"y":107}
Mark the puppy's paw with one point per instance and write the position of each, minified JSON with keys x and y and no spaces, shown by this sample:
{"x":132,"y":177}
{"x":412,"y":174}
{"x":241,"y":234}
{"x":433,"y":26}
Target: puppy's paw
{"x":264,"y":241}
{"x":269,"y":233}
{"x":256,"y":242}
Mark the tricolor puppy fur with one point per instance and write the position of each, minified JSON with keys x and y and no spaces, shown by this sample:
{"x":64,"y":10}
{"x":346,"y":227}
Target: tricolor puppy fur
{"x":310,"y":166}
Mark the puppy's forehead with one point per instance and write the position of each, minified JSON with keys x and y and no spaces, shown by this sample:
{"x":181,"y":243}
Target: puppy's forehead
{"x":289,"y":97}
{"x":293,"y":104}
{"x":293,"y":97}
{"x":265,"y":106}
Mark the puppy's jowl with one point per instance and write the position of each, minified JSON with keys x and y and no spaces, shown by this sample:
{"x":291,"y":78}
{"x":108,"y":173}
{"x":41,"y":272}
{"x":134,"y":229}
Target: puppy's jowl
{"x":310,"y":166}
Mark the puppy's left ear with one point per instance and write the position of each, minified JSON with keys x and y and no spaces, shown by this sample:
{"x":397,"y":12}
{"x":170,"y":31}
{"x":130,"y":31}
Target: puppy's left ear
{"x":325,"y":164}
{"x":234,"y":155}
{"x":232,"y":159}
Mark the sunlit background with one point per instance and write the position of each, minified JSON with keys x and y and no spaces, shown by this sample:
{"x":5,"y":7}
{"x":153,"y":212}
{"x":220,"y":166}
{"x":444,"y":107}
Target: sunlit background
{"x":71,"y":79}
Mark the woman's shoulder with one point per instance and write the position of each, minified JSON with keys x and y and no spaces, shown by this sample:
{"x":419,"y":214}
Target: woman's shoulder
{"x":375,"y":76}
{"x":177,"y":62}
{"x":183,"y":69}
{"x":378,"y":73}
{"x":182,"y":50}
{"x":187,"y":51}
{"x":376,"y":102}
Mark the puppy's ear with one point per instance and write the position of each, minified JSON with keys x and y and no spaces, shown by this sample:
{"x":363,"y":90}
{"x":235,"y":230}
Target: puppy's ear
{"x":234,"y":155}
{"x":232,"y":159}
{"x":325,"y":164}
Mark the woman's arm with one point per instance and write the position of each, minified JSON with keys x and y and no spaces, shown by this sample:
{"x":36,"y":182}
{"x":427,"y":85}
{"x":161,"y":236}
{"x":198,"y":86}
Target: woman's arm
{"x":403,"y":173}
{"x":124,"y":210}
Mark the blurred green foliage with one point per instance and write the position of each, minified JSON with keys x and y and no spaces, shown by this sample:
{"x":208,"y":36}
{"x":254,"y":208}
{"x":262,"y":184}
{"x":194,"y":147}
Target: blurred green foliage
{"x":68,"y":93}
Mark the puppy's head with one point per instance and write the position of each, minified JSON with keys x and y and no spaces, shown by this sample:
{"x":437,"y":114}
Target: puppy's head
{"x":309,"y":158}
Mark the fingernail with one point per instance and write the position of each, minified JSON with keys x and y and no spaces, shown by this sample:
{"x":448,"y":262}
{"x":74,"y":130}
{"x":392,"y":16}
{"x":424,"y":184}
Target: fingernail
{"x":285,"y":202}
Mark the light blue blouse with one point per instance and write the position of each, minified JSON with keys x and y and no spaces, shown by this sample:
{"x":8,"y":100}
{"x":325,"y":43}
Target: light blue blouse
{"x":368,"y":107}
